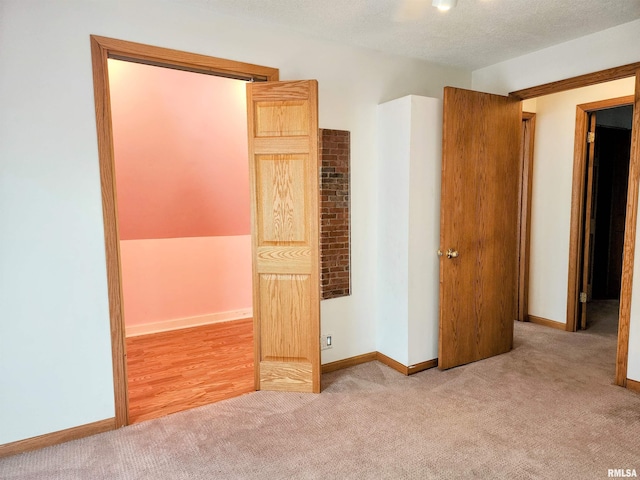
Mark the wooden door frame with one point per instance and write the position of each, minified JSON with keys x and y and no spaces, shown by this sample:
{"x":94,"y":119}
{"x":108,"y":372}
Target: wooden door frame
{"x":524,"y":227}
{"x":576,"y":248}
{"x":617,"y":73}
{"x":102,"y":49}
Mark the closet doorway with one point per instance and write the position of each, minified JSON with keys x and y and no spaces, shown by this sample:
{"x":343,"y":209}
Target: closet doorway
{"x":608,"y":148}
{"x":183,"y":202}
{"x":176,"y":243}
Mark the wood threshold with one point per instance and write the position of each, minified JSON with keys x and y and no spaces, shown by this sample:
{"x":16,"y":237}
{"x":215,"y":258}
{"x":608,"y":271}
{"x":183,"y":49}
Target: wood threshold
{"x":586,"y":80}
{"x":349,"y":362}
{"x":102,"y":48}
{"x":633,"y":385}
{"x":547,"y":323}
{"x":54,"y":438}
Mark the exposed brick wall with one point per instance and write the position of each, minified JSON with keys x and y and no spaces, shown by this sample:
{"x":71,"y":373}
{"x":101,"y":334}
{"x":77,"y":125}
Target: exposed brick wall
{"x":335,"y":244}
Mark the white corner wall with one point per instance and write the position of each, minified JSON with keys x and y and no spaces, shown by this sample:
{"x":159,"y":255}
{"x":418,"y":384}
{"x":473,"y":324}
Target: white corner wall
{"x":394,"y":163}
{"x":606,"y":49}
{"x":410,"y":153}
{"x":424,"y":231}
{"x":551,"y":194}
{"x":55,"y":358}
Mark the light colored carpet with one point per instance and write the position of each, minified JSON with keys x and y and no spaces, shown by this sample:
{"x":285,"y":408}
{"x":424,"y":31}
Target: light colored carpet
{"x":546,"y":410}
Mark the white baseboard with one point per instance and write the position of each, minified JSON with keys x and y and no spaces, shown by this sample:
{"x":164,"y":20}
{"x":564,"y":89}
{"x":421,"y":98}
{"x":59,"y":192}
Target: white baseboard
{"x":175,"y":324}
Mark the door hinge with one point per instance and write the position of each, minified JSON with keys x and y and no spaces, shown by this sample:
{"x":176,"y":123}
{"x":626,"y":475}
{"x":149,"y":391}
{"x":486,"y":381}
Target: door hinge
{"x":583,"y":297}
{"x":591,"y":137}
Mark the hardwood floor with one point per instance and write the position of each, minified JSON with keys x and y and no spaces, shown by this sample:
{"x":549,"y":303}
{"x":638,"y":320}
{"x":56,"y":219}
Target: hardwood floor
{"x":172,"y":371}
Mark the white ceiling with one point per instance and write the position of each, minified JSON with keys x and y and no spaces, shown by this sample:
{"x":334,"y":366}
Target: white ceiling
{"x":476,"y":33}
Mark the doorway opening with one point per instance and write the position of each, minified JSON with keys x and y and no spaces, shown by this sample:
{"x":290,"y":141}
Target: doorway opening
{"x":608,"y":149}
{"x":183,"y":202}
{"x":630,"y":74}
{"x":601,"y":167}
{"x":103,"y":49}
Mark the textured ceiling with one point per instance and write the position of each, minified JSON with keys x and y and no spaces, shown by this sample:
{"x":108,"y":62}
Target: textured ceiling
{"x":476,"y":33}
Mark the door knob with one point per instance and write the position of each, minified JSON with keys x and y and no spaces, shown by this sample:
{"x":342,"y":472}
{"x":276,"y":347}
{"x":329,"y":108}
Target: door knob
{"x":451,"y":253}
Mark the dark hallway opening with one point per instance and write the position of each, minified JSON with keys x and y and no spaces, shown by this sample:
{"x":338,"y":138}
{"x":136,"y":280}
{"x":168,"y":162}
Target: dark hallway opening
{"x":611,"y":173}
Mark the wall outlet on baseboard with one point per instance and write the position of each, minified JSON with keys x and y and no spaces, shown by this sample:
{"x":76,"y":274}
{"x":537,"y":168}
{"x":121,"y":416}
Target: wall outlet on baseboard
{"x":326,"y":342}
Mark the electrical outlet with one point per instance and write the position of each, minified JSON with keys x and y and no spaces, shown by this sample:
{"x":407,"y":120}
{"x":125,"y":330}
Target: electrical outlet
{"x":326,"y":342}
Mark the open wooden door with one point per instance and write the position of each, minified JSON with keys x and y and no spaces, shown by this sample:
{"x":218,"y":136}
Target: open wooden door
{"x":478,"y":226}
{"x":589,"y":223}
{"x":284,"y":168}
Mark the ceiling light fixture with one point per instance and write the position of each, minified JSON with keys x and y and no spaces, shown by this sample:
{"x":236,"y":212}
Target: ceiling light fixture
{"x":444,"y":5}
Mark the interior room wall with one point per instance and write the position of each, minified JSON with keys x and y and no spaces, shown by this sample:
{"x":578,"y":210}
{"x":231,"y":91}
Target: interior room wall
{"x":551,"y":194}
{"x":410,"y":146}
{"x":55,"y":353}
{"x":185,"y":281}
{"x":607,"y":49}
{"x":182,"y":180}
{"x":180,"y":141}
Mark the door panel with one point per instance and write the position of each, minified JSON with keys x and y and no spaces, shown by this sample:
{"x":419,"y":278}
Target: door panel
{"x":284,"y":166}
{"x":479,"y":222}
{"x":589,"y":225}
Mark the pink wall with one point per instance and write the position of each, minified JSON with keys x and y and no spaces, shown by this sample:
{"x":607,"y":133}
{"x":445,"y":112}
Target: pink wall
{"x":180,"y":142}
{"x":182,"y":179}
{"x":168,"y":279}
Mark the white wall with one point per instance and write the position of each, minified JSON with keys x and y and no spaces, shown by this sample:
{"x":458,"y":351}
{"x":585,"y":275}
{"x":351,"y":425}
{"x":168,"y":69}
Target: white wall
{"x":424,"y":231}
{"x":633,"y":367}
{"x":606,"y":49}
{"x":410,"y":146}
{"x":394,"y":158}
{"x":55,"y":359}
{"x":610,"y":48}
{"x":551,"y":194}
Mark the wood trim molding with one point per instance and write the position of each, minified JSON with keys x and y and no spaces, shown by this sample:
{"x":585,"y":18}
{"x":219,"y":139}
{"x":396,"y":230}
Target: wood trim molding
{"x":370,"y":357}
{"x":586,"y":80}
{"x":102,"y":49}
{"x":607,"y":103}
{"x":547,"y":323}
{"x":577,"y":202}
{"x":390,"y":362}
{"x":577,"y":214}
{"x":624,"y":322}
{"x":524,"y":227}
{"x":403,"y":369}
{"x":192,"y":62}
{"x":419,"y":367}
{"x":349,"y":362}
{"x":633,"y":385}
{"x":99,"y":56}
{"x":54,"y":438}
{"x":616,"y":73}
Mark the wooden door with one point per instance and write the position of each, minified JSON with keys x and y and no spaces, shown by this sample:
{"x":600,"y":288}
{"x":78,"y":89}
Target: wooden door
{"x":284,"y":168}
{"x":589,"y":224}
{"x":478,"y":226}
